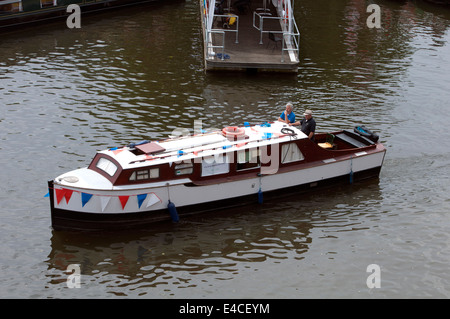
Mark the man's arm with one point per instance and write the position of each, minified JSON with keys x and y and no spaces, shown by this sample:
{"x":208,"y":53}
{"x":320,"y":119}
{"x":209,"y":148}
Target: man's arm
{"x":313,"y":130}
{"x":285,"y":120}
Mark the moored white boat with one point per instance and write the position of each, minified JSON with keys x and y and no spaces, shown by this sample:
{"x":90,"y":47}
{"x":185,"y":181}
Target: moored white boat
{"x":135,"y":185}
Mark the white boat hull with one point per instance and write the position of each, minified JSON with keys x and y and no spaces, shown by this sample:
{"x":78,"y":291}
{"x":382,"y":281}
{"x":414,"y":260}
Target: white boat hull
{"x":102,"y":209}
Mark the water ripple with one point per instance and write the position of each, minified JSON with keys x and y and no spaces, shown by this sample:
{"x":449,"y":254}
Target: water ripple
{"x":129,"y":76}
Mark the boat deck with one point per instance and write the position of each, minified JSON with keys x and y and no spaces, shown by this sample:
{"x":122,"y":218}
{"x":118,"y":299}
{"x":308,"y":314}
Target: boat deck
{"x":201,"y":145}
{"x":249,"y":53}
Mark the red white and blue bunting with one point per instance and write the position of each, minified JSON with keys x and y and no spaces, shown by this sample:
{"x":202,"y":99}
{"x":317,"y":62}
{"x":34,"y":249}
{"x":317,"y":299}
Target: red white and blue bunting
{"x":65,"y":193}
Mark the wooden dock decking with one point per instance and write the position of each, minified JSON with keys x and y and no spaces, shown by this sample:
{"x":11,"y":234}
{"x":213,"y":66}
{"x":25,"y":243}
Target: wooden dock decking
{"x":248,"y":54}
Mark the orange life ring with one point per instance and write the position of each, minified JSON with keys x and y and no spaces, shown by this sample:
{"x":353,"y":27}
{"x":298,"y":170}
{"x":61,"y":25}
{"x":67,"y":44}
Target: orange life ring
{"x":233,"y":131}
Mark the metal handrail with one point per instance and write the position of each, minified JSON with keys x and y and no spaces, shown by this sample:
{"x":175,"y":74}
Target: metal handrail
{"x":295,"y":34}
{"x":261,"y":24}
{"x":210,"y":44}
{"x":227,"y":30}
{"x":209,"y":33}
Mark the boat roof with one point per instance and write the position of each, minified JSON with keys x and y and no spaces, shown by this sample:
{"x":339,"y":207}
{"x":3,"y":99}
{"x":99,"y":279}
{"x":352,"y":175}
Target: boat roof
{"x":183,"y":148}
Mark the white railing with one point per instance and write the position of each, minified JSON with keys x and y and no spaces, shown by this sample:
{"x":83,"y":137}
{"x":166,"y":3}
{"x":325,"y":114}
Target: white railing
{"x":209,"y":35}
{"x":290,"y":39}
{"x":210,"y":45}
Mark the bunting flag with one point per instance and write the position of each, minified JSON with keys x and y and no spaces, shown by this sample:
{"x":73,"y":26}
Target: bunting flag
{"x":63,"y":193}
{"x":141,"y":199}
{"x":117,"y":151}
{"x":153,"y":200}
{"x":59,"y":194}
{"x":278,"y":134}
{"x":123,"y":200}
{"x":105,"y":199}
{"x":85,"y":197}
{"x":67,"y":194}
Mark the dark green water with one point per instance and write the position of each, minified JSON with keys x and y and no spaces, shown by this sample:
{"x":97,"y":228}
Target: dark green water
{"x":137,"y":74}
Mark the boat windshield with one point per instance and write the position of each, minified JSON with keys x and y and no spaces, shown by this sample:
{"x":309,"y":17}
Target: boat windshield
{"x":107,"y":166}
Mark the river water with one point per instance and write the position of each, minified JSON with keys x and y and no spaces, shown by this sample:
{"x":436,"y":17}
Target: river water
{"x":137,"y":74}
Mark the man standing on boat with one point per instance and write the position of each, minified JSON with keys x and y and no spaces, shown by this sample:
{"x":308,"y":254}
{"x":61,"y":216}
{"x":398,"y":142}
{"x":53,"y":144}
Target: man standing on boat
{"x":287,"y":116}
{"x":308,"y":124}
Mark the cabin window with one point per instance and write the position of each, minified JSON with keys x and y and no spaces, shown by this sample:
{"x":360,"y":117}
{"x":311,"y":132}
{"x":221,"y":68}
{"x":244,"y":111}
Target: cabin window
{"x":144,"y":174}
{"x":214,"y":165}
{"x":183,"y":169}
{"x":290,"y":153}
{"x":248,"y":158}
{"x":11,"y":6}
{"x":107,"y":166}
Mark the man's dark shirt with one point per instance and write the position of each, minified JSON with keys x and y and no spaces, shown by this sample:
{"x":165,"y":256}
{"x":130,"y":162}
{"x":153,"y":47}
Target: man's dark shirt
{"x":308,"y":126}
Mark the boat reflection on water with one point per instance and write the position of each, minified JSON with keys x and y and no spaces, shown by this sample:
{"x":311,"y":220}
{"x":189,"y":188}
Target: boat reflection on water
{"x":182,"y":254}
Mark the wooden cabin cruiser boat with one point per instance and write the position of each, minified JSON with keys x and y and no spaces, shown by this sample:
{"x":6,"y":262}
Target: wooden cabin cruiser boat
{"x":138,"y":184}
